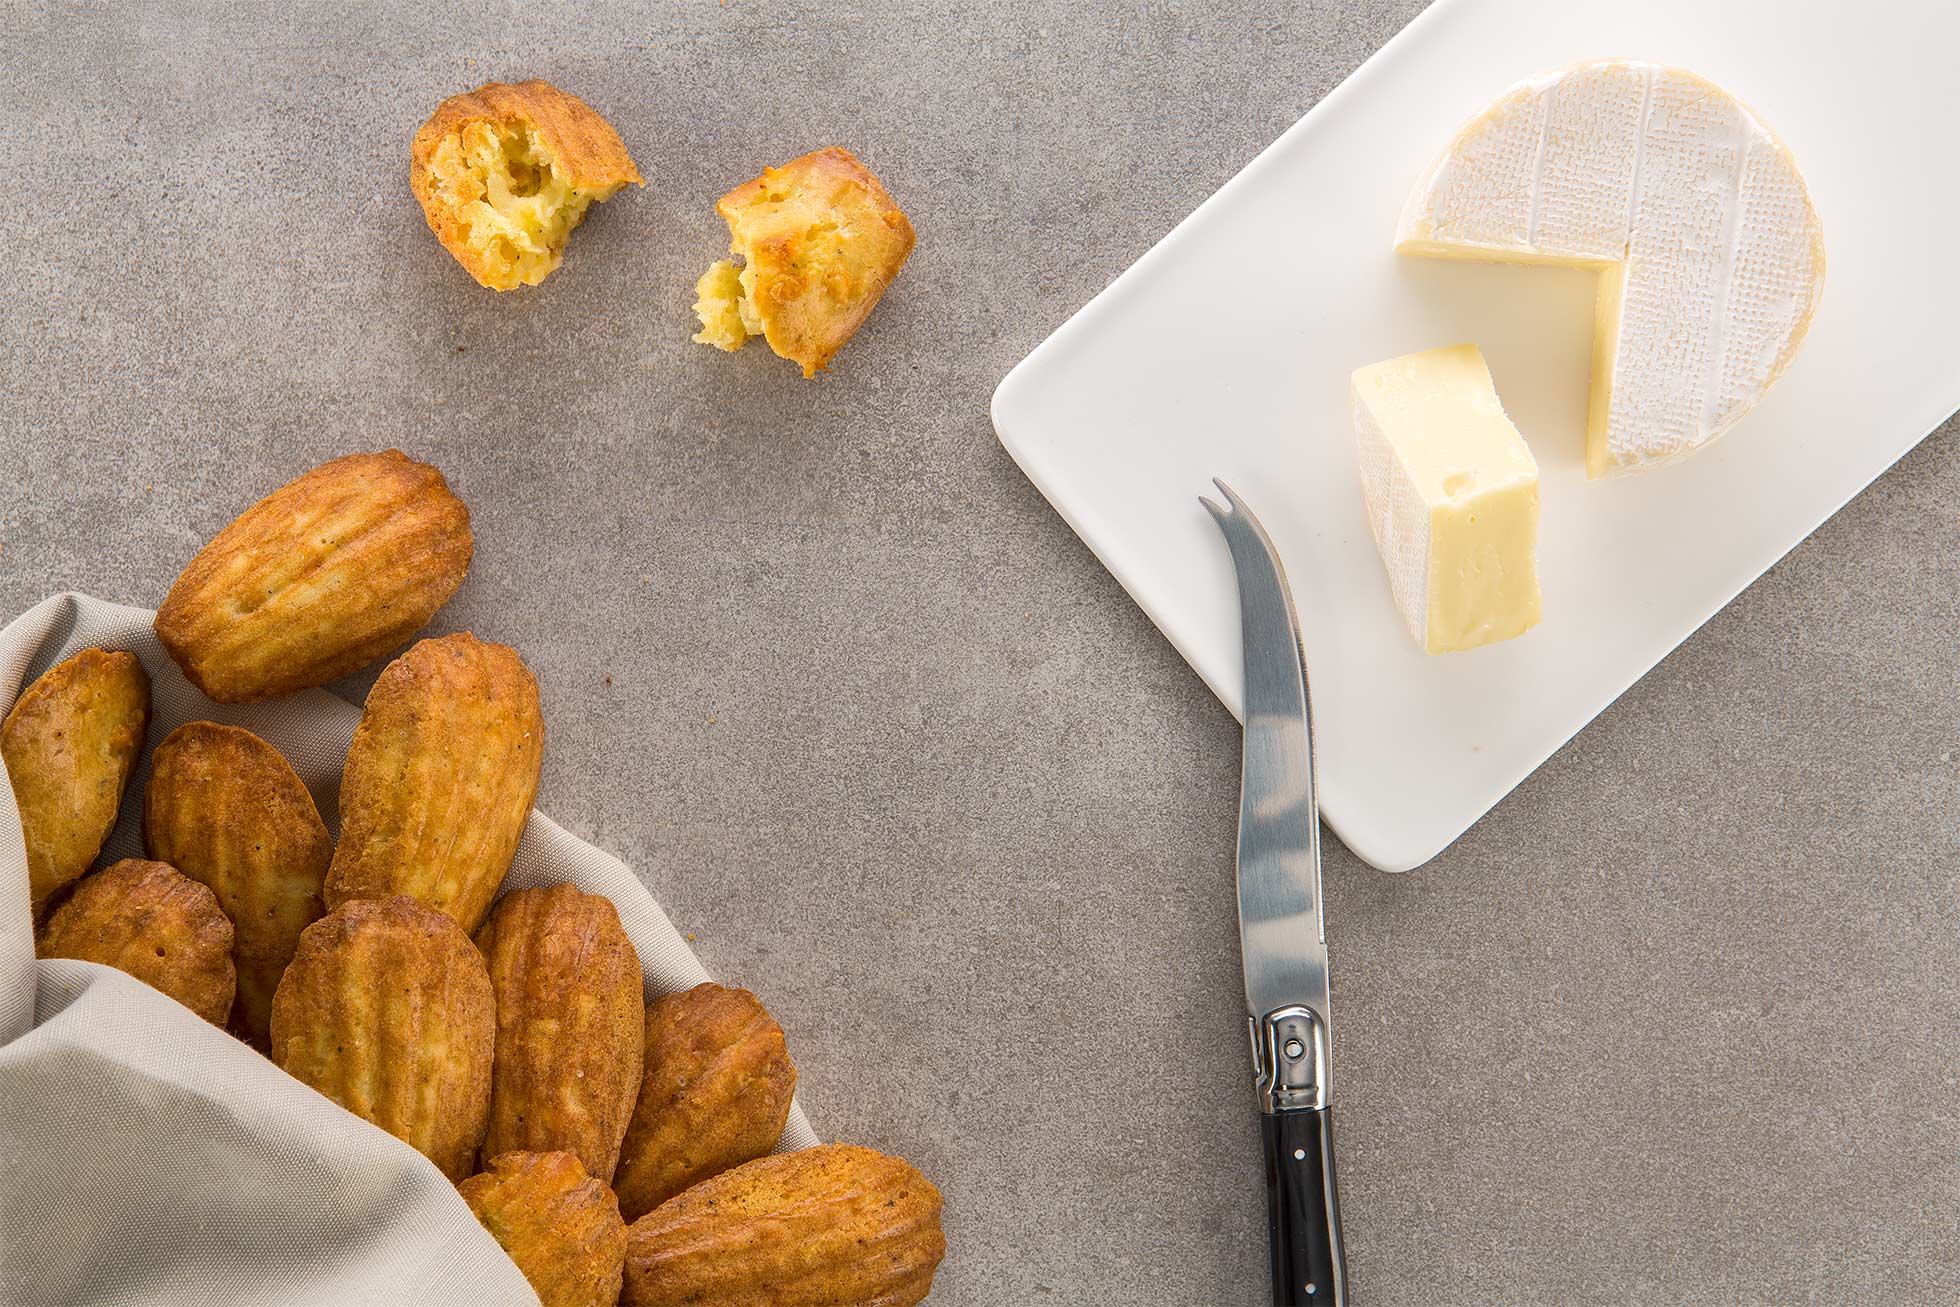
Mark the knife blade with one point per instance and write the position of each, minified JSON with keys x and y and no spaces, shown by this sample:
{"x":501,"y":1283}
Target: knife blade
{"x":1282,"y":934}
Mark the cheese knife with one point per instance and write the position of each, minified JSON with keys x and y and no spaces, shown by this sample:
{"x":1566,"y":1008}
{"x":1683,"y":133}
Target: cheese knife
{"x":1282,"y":939}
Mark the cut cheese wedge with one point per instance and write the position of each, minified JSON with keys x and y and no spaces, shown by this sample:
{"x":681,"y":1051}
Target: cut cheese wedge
{"x":1711,"y":251}
{"x":1452,"y":497}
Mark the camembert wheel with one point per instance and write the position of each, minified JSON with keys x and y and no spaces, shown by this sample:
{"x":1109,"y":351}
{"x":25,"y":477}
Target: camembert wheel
{"x":1711,"y":254}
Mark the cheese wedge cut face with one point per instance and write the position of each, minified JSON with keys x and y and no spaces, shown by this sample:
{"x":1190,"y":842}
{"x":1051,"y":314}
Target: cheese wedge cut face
{"x":1711,"y":254}
{"x":1452,"y":498}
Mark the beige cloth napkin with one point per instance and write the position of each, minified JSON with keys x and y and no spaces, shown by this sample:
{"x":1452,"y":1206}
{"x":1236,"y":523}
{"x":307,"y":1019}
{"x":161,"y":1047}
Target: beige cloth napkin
{"x":146,"y":1157}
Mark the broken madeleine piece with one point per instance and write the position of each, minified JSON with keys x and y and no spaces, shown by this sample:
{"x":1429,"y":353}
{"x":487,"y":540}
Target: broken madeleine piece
{"x":819,"y":239}
{"x":505,"y":172}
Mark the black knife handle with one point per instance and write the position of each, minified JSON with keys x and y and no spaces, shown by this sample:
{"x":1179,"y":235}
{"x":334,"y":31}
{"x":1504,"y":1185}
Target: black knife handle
{"x":1302,"y":1209}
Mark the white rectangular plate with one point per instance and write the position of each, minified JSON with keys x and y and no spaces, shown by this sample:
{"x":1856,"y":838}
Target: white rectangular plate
{"x":1225,"y":351}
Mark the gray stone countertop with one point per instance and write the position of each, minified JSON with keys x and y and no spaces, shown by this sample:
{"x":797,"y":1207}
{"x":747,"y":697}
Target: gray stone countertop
{"x":1677,"y":1022}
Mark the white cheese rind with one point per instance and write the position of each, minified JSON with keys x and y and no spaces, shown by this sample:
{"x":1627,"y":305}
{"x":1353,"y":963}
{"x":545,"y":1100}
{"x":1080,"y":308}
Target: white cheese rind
{"x":1713,"y":250}
{"x":1398,"y":517}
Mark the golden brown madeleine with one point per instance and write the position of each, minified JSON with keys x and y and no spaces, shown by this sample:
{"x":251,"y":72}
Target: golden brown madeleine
{"x":836,"y":1226}
{"x":570,"y":1025}
{"x":387,"y":1010}
{"x":225,"y":808}
{"x":69,"y":745}
{"x":155,"y":923}
{"x":821,"y":239}
{"x":715,"y":1094}
{"x":320,"y":578}
{"x":505,"y":172}
{"x":440,"y":778}
{"x":558,"y":1224}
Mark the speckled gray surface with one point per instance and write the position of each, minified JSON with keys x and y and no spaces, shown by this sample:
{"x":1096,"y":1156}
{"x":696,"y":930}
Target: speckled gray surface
{"x":1678,"y":1021}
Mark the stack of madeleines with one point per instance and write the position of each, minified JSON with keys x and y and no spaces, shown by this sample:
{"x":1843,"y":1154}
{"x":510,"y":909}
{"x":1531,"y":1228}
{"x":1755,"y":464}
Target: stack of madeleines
{"x":505,"y":1037}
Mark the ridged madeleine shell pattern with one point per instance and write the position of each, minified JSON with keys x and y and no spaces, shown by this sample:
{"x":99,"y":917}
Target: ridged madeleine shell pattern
{"x":836,"y":1226}
{"x":69,"y":745}
{"x":560,"y":1226}
{"x":154,"y":923}
{"x":318,"y":579}
{"x":715,"y":1094}
{"x":440,"y":778}
{"x":570,"y":1025}
{"x":387,"y":1010}
{"x":225,"y":808}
